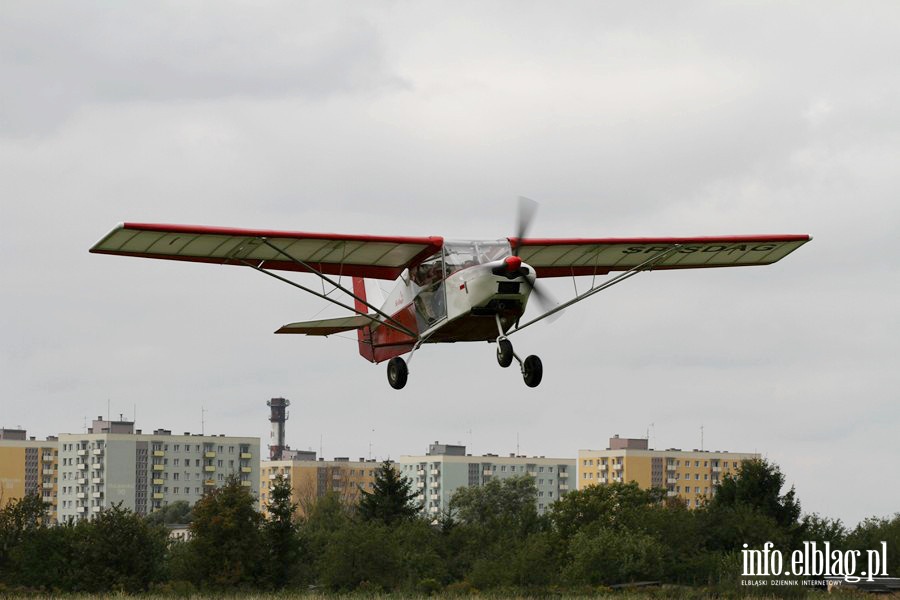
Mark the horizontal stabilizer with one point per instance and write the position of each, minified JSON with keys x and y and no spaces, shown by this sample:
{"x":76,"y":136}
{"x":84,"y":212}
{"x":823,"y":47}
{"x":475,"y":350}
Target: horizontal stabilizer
{"x":328,"y":326}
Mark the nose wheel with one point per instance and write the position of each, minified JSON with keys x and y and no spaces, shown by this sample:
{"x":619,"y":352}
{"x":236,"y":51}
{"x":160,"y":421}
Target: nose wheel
{"x":532,"y":368}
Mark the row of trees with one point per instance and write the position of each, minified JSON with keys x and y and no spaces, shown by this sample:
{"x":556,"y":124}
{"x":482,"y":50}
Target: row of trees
{"x":492,"y":538}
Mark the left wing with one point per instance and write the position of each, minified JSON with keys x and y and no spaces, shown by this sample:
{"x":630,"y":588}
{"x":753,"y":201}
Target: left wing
{"x":562,"y":257}
{"x":375,"y":257}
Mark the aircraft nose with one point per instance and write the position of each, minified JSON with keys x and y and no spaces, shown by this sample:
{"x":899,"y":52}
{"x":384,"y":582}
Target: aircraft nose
{"x":512,"y":263}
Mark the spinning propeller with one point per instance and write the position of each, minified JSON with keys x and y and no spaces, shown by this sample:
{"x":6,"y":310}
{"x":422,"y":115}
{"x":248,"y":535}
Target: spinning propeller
{"x":527,"y":210}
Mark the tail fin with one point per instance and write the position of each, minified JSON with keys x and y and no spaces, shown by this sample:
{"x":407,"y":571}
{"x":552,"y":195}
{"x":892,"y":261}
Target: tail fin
{"x":364,"y":334}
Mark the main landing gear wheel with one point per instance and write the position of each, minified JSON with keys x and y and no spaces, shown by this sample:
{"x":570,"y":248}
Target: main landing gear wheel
{"x":532,"y":371}
{"x":397,"y":373}
{"x":504,"y":353}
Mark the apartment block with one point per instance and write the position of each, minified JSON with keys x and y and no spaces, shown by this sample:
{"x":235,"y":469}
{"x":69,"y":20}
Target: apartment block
{"x":114,"y":463}
{"x":28,"y":466}
{"x":311,"y":478}
{"x":691,"y":476}
{"x":446,"y":468}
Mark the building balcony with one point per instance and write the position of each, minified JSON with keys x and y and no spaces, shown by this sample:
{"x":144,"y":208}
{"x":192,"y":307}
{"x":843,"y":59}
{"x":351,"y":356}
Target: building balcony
{"x":48,"y":472}
{"x":157,"y":495}
{"x":601,"y":467}
{"x":97,"y":480}
{"x":488,"y":472}
{"x":81,"y":467}
{"x":81,"y":509}
{"x":435,"y":472}
{"x":158,"y":482}
{"x":97,"y":464}
{"x":420,"y":484}
{"x":671,"y":493}
{"x":209,"y":454}
{"x":602,"y":480}
{"x":671,"y":480}
{"x":671,"y":467}
{"x":47,"y":458}
{"x":158,"y":467}
{"x":434,"y":484}
{"x":435,"y":497}
{"x":564,"y":486}
{"x":246,"y":470}
{"x":617,"y":480}
{"x":421,"y":472}
{"x":246,"y":456}
{"x":96,"y":509}
{"x":617,"y":467}
{"x":158,"y":453}
{"x":81,"y":495}
{"x":531,"y":473}
{"x":47,"y":485}
{"x":209,"y":482}
{"x":209,"y":468}
{"x":97,"y":451}
{"x":716,"y":469}
{"x":97,"y":495}
{"x":246,"y":483}
{"x":81,"y":452}
{"x":82,"y":481}
{"x":563,"y":474}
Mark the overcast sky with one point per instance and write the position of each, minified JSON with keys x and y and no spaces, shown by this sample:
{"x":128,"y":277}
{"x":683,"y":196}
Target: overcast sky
{"x":423,"y":118}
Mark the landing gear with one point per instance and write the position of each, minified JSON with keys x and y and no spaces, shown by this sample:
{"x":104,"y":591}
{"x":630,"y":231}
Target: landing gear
{"x":504,"y":352}
{"x":397,"y":372}
{"x":532,"y":368}
{"x":532,"y":371}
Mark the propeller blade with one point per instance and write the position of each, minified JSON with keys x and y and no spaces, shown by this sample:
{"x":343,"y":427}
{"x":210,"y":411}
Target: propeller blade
{"x":545,"y":300}
{"x":527,"y":210}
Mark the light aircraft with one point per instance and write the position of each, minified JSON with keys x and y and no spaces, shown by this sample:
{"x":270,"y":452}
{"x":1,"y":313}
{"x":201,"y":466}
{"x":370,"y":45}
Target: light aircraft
{"x":446,"y":291}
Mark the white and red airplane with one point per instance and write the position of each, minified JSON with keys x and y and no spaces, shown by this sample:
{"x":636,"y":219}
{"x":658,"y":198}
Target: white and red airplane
{"x":447,"y":291}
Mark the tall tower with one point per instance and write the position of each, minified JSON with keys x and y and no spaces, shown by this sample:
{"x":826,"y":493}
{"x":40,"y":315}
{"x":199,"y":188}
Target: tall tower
{"x":277,"y":417}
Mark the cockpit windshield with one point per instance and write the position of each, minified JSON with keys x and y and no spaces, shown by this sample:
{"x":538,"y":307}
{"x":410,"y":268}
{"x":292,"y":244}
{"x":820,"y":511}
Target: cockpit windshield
{"x":463,"y":254}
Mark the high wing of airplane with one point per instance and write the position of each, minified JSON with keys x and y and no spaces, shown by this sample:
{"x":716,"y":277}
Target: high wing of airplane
{"x":446,"y":290}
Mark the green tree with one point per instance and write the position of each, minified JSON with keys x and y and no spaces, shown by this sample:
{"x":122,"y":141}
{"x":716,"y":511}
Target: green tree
{"x":280,"y":532}
{"x":758,"y":485}
{"x":501,"y":507}
{"x":614,"y":556}
{"x":119,"y":550}
{"x":617,"y":505}
{"x":226,"y":546}
{"x":750,"y":508}
{"x":869,"y":535}
{"x":18,"y":519}
{"x":176,"y":513}
{"x":821,"y":529}
{"x":392,"y":498}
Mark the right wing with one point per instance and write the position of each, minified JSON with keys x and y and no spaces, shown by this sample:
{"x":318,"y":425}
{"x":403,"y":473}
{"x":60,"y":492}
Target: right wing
{"x":563,"y":257}
{"x":375,"y":257}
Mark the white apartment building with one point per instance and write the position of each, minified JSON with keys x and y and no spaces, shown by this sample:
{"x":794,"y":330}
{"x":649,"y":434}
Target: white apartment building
{"x":445,"y":468}
{"x":113,"y":463}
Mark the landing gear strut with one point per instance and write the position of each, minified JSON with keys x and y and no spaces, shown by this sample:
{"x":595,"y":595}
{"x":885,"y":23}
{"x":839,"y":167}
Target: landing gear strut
{"x":532,"y":368}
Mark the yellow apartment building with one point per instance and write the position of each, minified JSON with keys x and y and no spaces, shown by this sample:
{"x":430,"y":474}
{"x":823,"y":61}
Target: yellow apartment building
{"x":691,"y":476}
{"x":28,"y":466}
{"x":311,"y":479}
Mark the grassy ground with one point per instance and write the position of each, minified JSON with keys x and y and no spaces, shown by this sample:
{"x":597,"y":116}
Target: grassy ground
{"x":675,"y":593}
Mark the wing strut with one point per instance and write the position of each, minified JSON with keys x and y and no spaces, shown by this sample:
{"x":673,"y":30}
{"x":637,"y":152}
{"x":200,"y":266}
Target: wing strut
{"x":397,"y":325}
{"x":644,"y":266}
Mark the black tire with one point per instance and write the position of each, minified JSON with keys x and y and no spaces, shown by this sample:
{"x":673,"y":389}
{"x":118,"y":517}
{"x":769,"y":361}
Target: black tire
{"x":504,"y":353}
{"x":532,"y":371}
{"x":397,"y":372}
